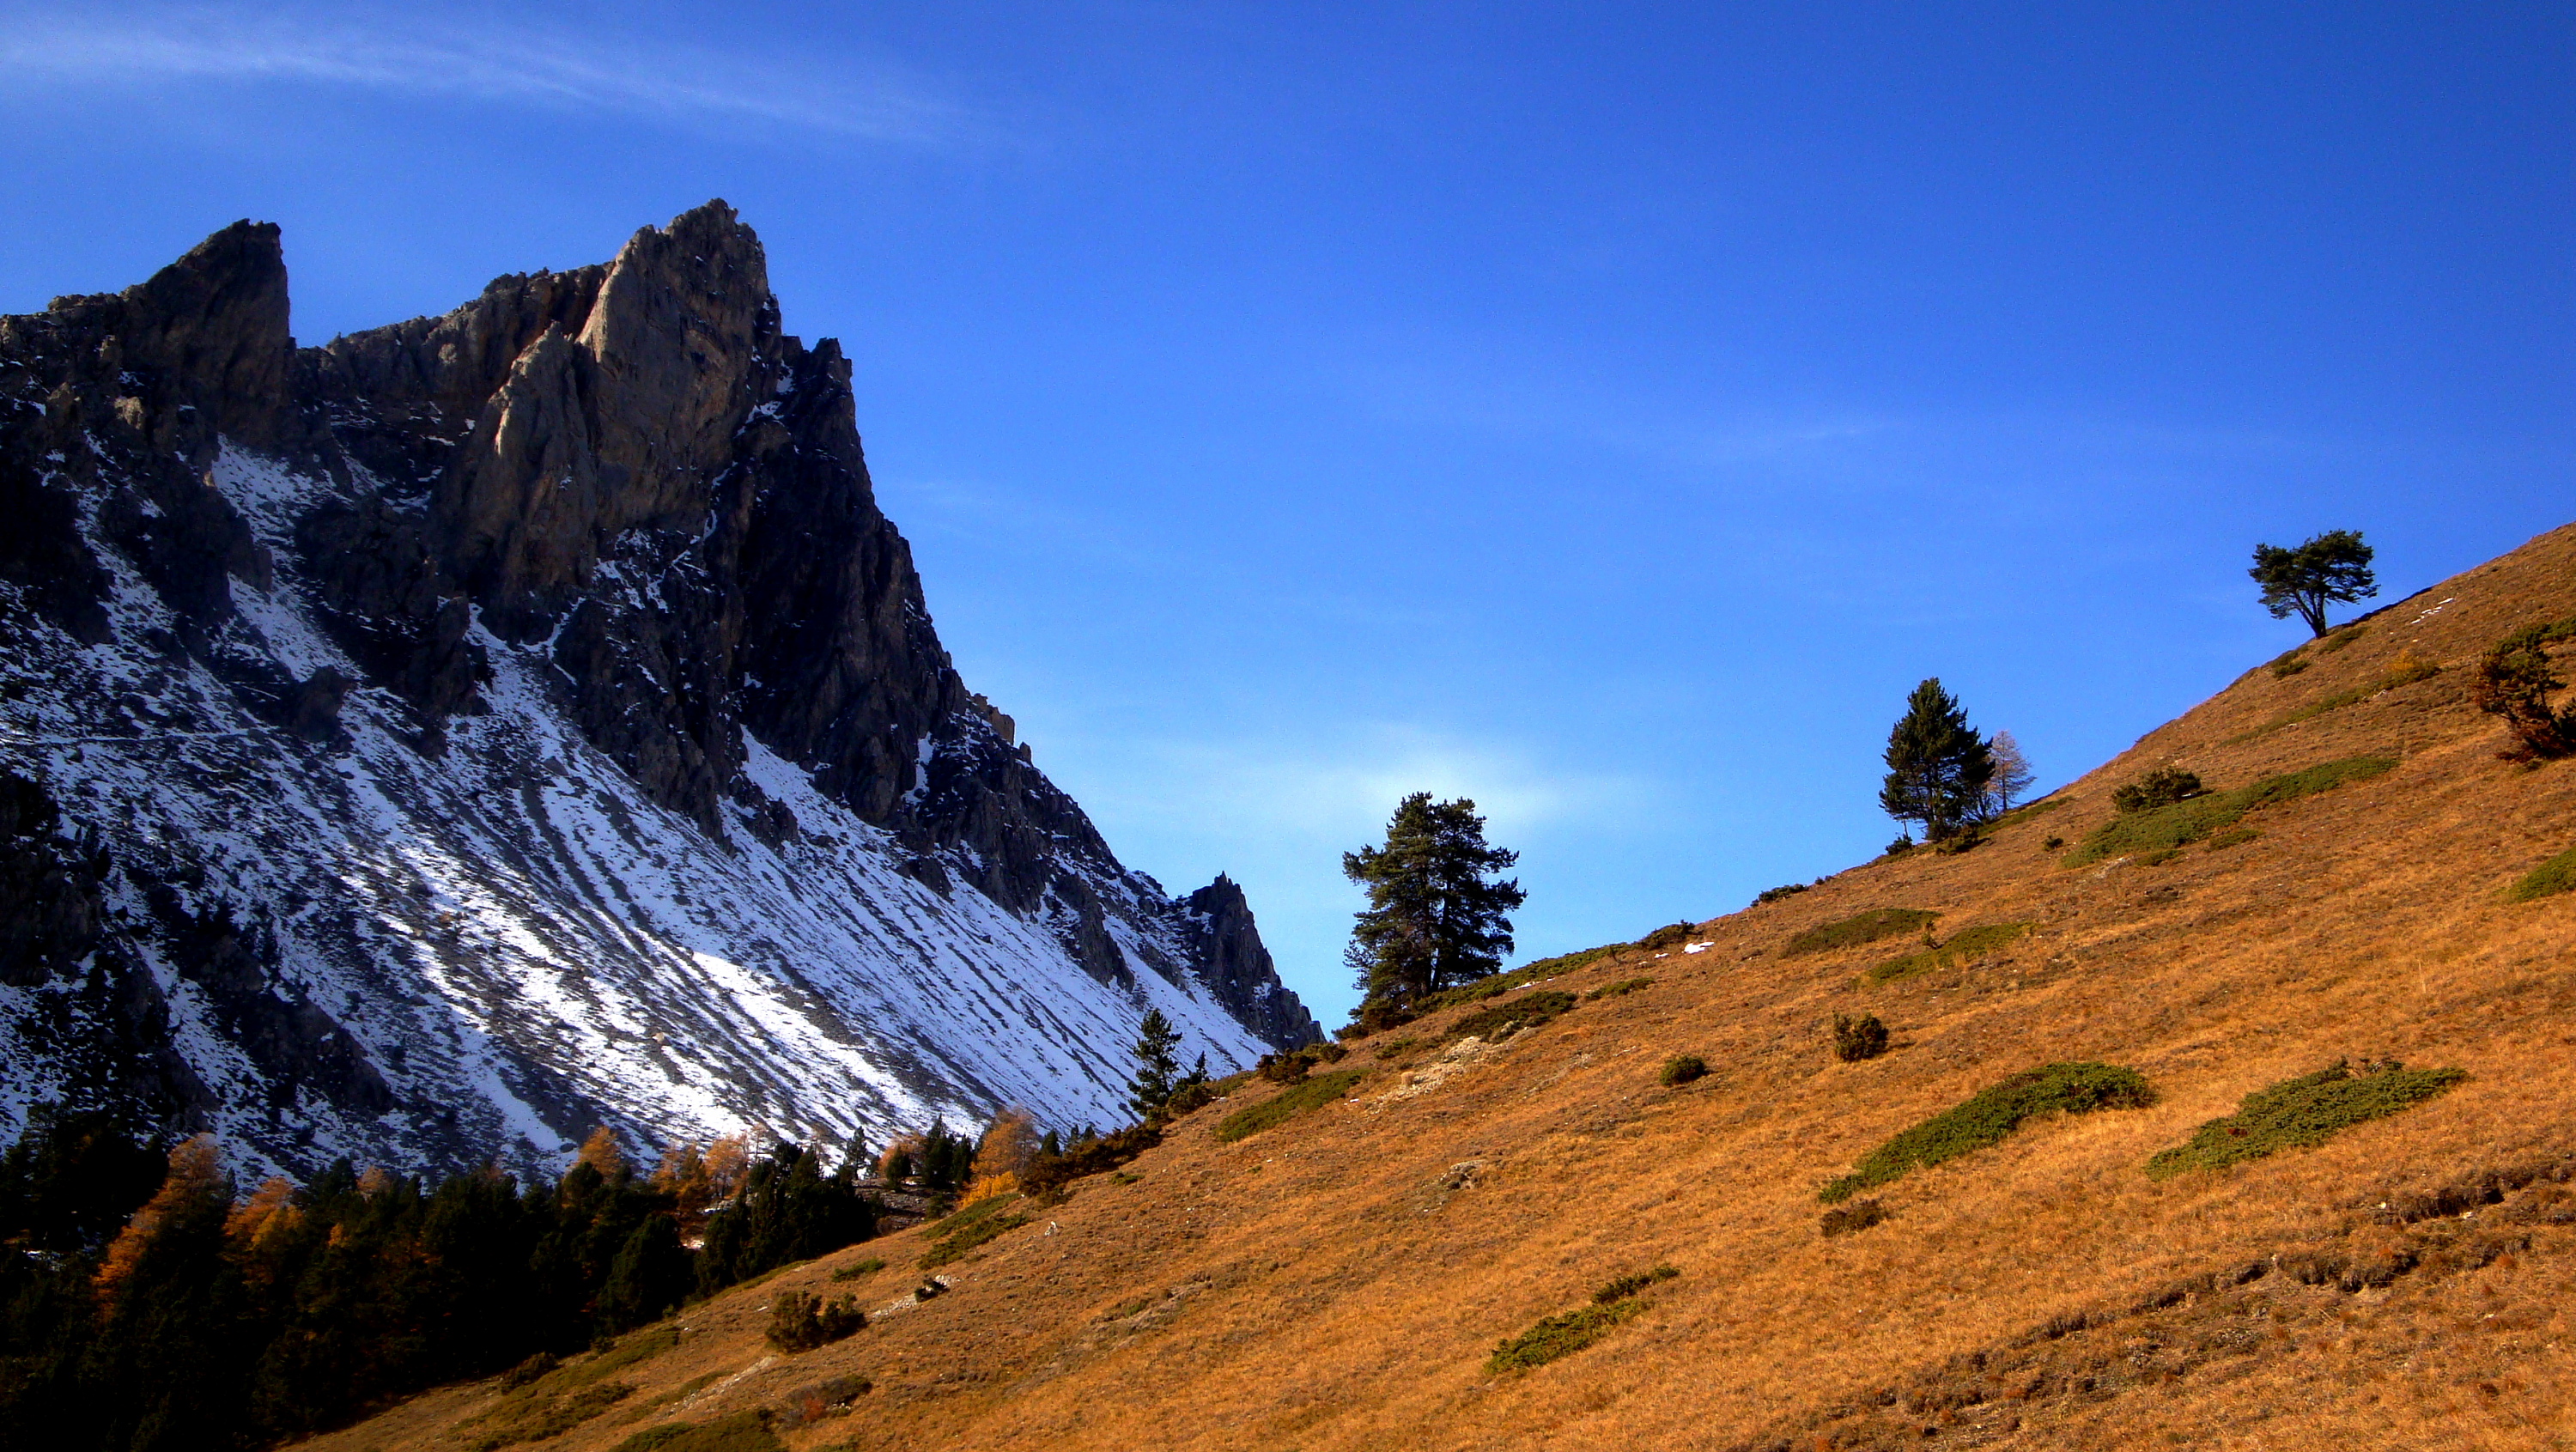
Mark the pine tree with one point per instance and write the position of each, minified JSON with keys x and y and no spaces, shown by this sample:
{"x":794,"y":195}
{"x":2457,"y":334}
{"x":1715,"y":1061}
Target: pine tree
{"x":1156,"y":1067}
{"x":1937,"y":766}
{"x":1434,"y":920}
{"x":2333,"y":567}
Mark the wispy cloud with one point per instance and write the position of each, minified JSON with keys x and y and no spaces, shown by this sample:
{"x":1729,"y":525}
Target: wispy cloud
{"x":490,"y":60}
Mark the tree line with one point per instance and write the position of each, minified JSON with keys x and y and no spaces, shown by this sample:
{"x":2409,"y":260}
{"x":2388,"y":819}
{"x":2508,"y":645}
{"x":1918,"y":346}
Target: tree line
{"x":149,"y":1304}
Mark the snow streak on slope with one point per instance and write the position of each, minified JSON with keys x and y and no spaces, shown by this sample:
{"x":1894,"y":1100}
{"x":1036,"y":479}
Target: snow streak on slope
{"x":506,"y":938}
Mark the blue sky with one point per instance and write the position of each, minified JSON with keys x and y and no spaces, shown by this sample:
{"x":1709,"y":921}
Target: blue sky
{"x":1607,"y":412}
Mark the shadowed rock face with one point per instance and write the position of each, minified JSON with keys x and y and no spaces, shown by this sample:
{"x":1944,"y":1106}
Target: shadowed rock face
{"x":625,"y":474}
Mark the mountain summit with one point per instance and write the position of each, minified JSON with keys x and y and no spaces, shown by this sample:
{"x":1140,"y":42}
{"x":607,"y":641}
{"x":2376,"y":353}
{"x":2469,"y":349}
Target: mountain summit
{"x":488,"y":726}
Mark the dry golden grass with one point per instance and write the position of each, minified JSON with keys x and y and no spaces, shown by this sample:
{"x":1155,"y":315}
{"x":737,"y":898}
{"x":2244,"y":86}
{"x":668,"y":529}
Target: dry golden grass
{"x":1339,"y":1280}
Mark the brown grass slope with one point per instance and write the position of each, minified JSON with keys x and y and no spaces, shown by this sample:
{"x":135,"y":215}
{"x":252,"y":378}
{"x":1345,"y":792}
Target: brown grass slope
{"x":1339,"y":1281}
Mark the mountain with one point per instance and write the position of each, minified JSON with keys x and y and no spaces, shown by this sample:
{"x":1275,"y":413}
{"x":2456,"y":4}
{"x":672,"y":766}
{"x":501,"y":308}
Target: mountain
{"x":2344,"y":891}
{"x":442,"y":741}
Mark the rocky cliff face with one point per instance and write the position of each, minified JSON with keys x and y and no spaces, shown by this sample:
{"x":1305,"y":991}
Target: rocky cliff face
{"x":487,"y":726}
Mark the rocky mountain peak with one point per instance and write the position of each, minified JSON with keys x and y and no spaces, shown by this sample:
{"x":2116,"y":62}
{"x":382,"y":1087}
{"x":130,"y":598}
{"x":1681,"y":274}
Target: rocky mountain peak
{"x":445,"y":701}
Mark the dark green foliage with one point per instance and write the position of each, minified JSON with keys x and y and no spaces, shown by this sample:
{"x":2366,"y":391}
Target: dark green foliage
{"x":1290,"y":1067}
{"x":1991,"y":1115}
{"x":1938,"y":767}
{"x":1681,"y":1069}
{"x":2052,"y":843}
{"x":1620,"y":989}
{"x":1859,"y":1038}
{"x":297,"y":1310}
{"x":790,"y":1210}
{"x":2514,"y":681}
{"x":2550,"y":878}
{"x":1565,"y":1334}
{"x":1437,"y":917}
{"x":741,"y":1432}
{"x":1860,"y":928}
{"x":1513,"y":1015}
{"x":1186,"y":1100}
{"x":1314,"y":1093}
{"x":984,"y":1221}
{"x":1775,"y":894}
{"x":1089,"y":1155}
{"x":1670,"y":936}
{"x":1624,"y":1287}
{"x":1968,"y":945}
{"x":2161,"y":787}
{"x":2331,"y":568}
{"x":799,"y":1322}
{"x":1156,"y":1068}
{"x":2298,"y":1113}
{"x":1849,"y":1219}
{"x":1903,"y":844}
{"x":2167,"y":828}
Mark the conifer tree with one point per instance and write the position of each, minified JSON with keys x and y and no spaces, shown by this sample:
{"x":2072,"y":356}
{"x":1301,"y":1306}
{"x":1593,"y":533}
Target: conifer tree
{"x":1157,"y":1069}
{"x":1434,"y":919}
{"x":1937,"y":766}
{"x":2331,"y":568}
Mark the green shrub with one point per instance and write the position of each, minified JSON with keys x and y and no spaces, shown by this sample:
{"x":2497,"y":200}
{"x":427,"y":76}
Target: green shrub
{"x":1186,"y":1101}
{"x":2285,"y":666}
{"x":741,"y":1432}
{"x":856,"y":1269}
{"x":2233,"y":837}
{"x":799,"y":1322}
{"x":1860,"y":928}
{"x":1970,"y":943}
{"x":2297,"y":1113}
{"x":1505,"y":1019}
{"x":1682,"y":1069}
{"x":1859,"y":1038}
{"x":1671,"y":935}
{"x":2165,"y":829}
{"x":1991,"y":1115}
{"x":529,"y":1370}
{"x":1775,"y":894}
{"x":985,"y":1220}
{"x":2161,"y":787}
{"x":535,"y":1417}
{"x":1620,"y":989}
{"x":2052,"y":843}
{"x":1624,"y":1287}
{"x":2341,"y":636}
{"x":1313,"y":1093}
{"x":1565,"y":1334}
{"x":2550,"y":878}
{"x":1847,"y":1219}
{"x":1501,"y":983}
{"x":1093,"y":1156}
{"x":1902,"y":845}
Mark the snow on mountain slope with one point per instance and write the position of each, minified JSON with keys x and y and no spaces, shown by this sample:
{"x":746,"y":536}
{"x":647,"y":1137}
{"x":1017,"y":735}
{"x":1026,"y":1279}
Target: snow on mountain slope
{"x":340,"y":867}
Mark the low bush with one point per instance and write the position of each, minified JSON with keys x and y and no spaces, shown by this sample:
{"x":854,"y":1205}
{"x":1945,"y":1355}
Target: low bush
{"x":2514,"y":680}
{"x":1846,"y":1219}
{"x":1291,"y":1066}
{"x":1671,"y":935}
{"x":1185,"y":1101}
{"x":742,"y":1432}
{"x":2052,"y":843}
{"x":2165,"y":829}
{"x":1681,"y":1069}
{"x":856,"y":1269}
{"x":1287,"y":1104}
{"x":2285,"y":666}
{"x":1505,"y":1019}
{"x":1851,"y":932}
{"x":1620,"y":989}
{"x":829,"y":1397}
{"x":799,"y":1322}
{"x":2019,"y":815}
{"x":2161,"y":787}
{"x":535,"y":1418}
{"x":529,"y":1370}
{"x":1565,"y":1334}
{"x":1967,"y":945}
{"x":2233,"y":837}
{"x":1898,"y":848}
{"x":2339,"y":637}
{"x":1774,"y":894}
{"x":1991,"y":1115}
{"x":978,"y":1223}
{"x":1626,"y":1286}
{"x":1859,"y":1038}
{"x":2297,"y":1113}
{"x":1050,"y":1173}
{"x":2549,"y":879}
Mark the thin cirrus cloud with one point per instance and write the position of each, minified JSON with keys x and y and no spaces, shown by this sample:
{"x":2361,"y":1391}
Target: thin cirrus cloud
{"x":491,"y":62}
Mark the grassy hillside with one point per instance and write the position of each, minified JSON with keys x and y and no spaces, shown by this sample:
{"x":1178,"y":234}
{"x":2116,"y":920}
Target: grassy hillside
{"x":2380,"y":1257}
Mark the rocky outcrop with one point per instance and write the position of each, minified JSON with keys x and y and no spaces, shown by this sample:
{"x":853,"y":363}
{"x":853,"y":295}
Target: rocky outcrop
{"x":615,"y":503}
